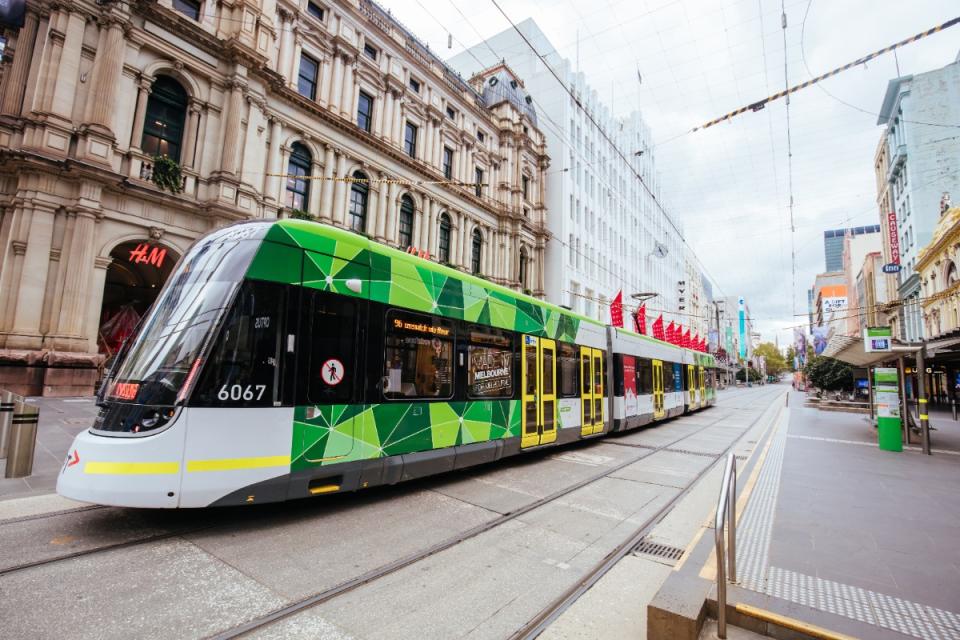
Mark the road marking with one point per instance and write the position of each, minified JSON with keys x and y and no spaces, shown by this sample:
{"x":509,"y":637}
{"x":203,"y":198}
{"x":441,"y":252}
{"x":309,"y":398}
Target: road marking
{"x":869,"y":444}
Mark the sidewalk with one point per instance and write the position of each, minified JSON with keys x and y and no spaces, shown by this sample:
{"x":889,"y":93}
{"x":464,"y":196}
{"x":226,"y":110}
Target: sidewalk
{"x":61,"y":419}
{"x":836,"y":533}
{"x":865,"y":534}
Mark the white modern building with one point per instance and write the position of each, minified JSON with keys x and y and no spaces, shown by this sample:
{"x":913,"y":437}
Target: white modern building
{"x":608,"y":231}
{"x":920,"y":163}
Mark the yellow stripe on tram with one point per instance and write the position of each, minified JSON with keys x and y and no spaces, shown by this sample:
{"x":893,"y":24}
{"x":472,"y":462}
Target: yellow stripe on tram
{"x":230,"y":464}
{"x":131,"y":468}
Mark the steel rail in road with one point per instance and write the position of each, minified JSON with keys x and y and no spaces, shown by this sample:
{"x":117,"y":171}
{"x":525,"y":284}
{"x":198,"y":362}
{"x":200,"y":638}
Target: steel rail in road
{"x":392,"y":567}
{"x":551,"y":612}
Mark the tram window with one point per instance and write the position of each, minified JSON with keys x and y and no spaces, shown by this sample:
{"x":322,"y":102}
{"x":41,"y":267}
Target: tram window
{"x":547,"y":372}
{"x":243,"y":369}
{"x":567,"y":371}
{"x":598,"y":371}
{"x":489,"y":364}
{"x":677,"y":377}
{"x":333,"y":339}
{"x":531,"y":355}
{"x":644,"y":376}
{"x":418,"y":360}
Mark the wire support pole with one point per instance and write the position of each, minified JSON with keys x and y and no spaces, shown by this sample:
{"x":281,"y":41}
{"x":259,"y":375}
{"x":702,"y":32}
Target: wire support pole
{"x":756,"y":106}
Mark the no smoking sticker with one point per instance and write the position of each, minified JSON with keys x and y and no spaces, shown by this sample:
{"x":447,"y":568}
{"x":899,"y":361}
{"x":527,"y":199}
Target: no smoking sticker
{"x":332,"y":372}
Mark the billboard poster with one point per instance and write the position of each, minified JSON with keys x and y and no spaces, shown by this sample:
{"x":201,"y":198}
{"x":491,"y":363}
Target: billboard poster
{"x":894,"y":237}
{"x":821,"y":335}
{"x":728,"y":340}
{"x":877,"y":339}
{"x":800,"y":347}
{"x":630,"y":384}
{"x":741,"y":313}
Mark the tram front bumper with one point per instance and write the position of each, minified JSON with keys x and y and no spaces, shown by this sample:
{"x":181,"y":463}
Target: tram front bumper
{"x":124,"y":472}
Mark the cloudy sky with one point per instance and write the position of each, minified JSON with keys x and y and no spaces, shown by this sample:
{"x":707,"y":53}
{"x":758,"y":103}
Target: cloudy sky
{"x":700,"y":59}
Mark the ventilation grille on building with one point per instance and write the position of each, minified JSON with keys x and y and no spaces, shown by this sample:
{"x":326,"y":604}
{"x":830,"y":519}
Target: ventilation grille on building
{"x":658,"y":550}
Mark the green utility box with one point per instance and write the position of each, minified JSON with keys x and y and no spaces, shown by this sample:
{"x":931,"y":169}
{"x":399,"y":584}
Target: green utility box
{"x":886,"y":401}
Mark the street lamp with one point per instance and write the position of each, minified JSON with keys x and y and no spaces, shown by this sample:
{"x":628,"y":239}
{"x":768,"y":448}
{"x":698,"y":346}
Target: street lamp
{"x":643,"y":297}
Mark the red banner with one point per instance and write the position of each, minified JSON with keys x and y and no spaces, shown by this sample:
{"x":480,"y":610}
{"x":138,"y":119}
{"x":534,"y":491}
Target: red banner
{"x":658,"y":328}
{"x":630,"y":384}
{"x":686,"y":339}
{"x":640,"y":320}
{"x":616,"y":310}
{"x":894,"y":237}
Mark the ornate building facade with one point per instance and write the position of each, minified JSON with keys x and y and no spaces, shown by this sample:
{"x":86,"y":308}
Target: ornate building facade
{"x":240,"y":109}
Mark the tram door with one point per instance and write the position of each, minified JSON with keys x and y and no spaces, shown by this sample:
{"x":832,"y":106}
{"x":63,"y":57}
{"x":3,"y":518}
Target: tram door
{"x":658,"y":411}
{"x":703,"y":387}
{"x":539,"y":372}
{"x":692,"y":386}
{"x":591,"y":391}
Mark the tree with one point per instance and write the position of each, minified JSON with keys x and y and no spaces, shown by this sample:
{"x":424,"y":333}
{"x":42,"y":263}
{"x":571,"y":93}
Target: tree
{"x":775,"y":362}
{"x":829,"y":374}
{"x":754,"y":375}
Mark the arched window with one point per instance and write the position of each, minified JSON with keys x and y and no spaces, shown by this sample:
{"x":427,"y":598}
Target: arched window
{"x":951,"y":275}
{"x":475,"y":253}
{"x":406,"y":222}
{"x":298,"y":188}
{"x":524,"y":263}
{"x":443,"y":246}
{"x":163,"y":124}
{"x":359,"y":193}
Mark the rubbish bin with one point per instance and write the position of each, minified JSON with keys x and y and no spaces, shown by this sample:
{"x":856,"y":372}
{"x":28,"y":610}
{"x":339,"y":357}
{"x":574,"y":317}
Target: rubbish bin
{"x":6,"y":414}
{"x":23,"y":440}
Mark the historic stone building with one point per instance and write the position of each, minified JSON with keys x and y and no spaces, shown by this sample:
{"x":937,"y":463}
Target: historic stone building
{"x":265,"y":107}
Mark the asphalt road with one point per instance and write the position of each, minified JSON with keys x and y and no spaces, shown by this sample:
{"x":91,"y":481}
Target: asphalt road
{"x":194,"y":574}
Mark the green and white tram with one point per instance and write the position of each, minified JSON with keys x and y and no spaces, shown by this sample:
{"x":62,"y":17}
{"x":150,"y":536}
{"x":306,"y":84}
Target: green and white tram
{"x":287,"y":359}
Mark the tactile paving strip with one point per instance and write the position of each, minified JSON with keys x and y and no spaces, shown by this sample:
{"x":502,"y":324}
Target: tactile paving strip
{"x":878,"y":609}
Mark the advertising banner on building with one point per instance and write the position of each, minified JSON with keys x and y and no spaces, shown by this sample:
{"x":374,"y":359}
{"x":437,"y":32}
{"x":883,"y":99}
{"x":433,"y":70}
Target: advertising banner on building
{"x":728,"y":340}
{"x":800,"y":347}
{"x":741,"y":313}
{"x":894,"y":237}
{"x":821,"y":336}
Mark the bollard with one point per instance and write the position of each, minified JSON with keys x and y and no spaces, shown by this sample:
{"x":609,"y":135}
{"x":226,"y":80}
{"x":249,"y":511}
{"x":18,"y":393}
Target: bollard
{"x":953,"y":408}
{"x":6,"y":413}
{"x":23,"y":440}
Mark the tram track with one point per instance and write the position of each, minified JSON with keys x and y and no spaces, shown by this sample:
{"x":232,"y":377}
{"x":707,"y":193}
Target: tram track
{"x":378,"y":573}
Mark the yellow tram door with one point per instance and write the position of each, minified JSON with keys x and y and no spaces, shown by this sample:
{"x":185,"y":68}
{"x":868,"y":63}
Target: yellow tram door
{"x":691,"y":387}
{"x":539,"y":382}
{"x":586,"y":391}
{"x":598,"y":384}
{"x":703,"y":388}
{"x":658,"y":411}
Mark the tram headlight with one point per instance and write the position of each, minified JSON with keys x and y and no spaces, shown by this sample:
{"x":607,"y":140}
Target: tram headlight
{"x":151,"y":420}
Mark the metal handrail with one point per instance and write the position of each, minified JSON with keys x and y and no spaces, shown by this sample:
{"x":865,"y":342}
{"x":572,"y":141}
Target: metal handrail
{"x":726,"y":514}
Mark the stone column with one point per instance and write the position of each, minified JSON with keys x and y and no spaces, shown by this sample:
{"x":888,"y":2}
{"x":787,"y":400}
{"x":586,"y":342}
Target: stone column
{"x":336,"y":91}
{"x":382,"y":197}
{"x":378,"y":115}
{"x":326,"y":194}
{"x":202,"y":134}
{"x":76,"y":288}
{"x":107,"y":66}
{"x":273,"y":181}
{"x":418,"y":224}
{"x":325,"y":73}
{"x":454,"y":238}
{"x":66,"y":74}
{"x":293,"y":72}
{"x":231,"y":127}
{"x":286,"y":44}
{"x":397,"y":119}
{"x":429,"y":233}
{"x":35,"y":249}
{"x":340,"y":191}
{"x":346,"y":106}
{"x":100,"y":266}
{"x":11,"y":102}
{"x":313,"y":203}
{"x":392,"y":228}
{"x":463,"y":243}
{"x":143,"y":92}
{"x":386,"y":115}
{"x":427,"y":152}
{"x":193,"y":127}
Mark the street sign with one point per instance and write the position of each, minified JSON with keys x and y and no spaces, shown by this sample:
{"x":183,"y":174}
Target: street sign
{"x":891,"y":268}
{"x":877,"y":339}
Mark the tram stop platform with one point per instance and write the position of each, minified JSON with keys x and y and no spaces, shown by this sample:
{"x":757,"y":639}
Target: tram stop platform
{"x":835,"y":539}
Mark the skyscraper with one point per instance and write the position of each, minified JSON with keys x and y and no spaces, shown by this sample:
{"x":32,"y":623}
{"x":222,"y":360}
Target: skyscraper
{"x":833,"y":244}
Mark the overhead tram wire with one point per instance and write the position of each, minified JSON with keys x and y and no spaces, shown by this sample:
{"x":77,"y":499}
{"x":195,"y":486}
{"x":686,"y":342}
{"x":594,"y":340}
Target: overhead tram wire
{"x":577,"y":101}
{"x":803,"y":57}
{"x":760,"y":104}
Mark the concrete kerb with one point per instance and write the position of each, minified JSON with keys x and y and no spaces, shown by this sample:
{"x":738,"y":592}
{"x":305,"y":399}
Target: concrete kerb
{"x":678,"y":611}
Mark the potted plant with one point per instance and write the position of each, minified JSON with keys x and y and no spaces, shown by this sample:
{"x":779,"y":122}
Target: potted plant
{"x":166,"y":174}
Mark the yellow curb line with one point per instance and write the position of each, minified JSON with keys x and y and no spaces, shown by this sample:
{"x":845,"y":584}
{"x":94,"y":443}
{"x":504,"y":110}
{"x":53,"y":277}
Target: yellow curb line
{"x":811,"y":630}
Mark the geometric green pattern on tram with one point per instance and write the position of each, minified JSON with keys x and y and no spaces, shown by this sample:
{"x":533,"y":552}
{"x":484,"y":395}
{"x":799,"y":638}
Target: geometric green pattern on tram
{"x":333,"y":257}
{"x":344,"y":433}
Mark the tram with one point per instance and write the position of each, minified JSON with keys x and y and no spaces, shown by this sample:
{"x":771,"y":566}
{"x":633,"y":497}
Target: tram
{"x":289,"y":359}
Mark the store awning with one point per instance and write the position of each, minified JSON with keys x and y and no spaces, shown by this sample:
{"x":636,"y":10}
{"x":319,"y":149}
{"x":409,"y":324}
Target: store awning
{"x":850,"y":349}
{"x":948,"y":343}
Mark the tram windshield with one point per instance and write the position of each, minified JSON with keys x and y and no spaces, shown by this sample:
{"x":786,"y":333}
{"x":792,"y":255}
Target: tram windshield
{"x":176,"y":329}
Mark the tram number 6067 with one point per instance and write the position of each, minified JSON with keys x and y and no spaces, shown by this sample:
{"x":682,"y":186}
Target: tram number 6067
{"x":239,"y":392}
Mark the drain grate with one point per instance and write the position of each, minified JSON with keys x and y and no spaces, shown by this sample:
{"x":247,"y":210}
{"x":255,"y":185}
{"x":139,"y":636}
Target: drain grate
{"x":658,"y":550}
{"x":688,"y":452}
